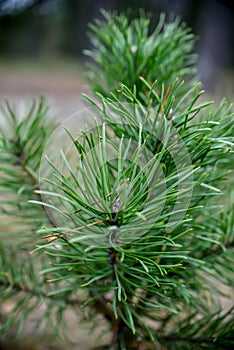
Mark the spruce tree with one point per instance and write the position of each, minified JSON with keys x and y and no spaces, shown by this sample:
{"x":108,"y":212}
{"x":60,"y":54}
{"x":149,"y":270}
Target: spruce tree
{"x":131,"y":217}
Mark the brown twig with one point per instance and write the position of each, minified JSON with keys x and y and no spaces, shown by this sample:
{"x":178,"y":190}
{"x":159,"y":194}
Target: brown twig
{"x":165,"y":99}
{"x":20,"y":154}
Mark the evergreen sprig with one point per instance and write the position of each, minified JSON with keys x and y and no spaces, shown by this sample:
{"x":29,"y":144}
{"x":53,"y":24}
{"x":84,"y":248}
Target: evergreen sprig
{"x":23,"y":136}
{"x":123,"y":50}
{"x":168,"y":272}
{"x":22,"y":140}
{"x":145,"y":237}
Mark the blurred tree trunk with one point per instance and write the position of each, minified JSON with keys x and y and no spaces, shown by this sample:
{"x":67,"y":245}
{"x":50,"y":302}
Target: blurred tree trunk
{"x":77,"y":14}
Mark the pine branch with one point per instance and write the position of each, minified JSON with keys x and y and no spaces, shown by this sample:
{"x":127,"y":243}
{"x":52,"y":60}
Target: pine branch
{"x":141,"y":231}
{"x":22,"y":143}
{"x":164,"y":263}
{"x":217,"y":250}
{"x":26,"y":291}
{"x":213,"y":331}
{"x":123,"y":51}
{"x":17,"y":288}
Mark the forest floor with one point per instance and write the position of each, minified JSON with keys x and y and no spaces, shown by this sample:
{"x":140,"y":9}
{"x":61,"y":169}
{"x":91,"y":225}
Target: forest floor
{"x":61,"y":82}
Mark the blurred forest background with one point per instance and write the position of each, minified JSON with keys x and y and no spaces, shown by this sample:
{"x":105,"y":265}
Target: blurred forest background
{"x":41,"y":43}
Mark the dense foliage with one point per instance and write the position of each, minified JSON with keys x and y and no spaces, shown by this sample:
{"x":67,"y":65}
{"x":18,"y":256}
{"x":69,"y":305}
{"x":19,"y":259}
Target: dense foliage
{"x":137,"y":217}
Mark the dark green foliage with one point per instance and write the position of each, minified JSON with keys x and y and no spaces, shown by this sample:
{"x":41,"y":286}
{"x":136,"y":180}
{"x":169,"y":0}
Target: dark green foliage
{"x":123,"y":51}
{"x":22,"y":141}
{"x":143,"y":267}
{"x":144,"y":237}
